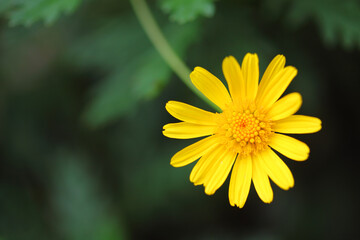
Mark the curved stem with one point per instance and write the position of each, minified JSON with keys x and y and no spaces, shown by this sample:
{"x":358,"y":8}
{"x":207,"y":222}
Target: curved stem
{"x":157,"y":38}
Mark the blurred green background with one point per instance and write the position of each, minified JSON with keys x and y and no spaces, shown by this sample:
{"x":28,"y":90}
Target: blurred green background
{"x":82,"y":96}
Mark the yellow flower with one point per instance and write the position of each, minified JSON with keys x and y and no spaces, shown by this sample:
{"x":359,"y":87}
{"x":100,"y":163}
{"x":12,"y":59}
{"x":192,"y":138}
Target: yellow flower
{"x":244,"y":134}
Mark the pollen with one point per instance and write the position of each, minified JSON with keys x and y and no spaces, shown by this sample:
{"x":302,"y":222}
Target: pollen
{"x":245,"y":131}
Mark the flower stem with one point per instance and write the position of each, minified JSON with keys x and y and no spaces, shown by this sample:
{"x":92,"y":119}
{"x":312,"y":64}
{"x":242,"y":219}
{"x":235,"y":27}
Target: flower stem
{"x":157,"y":38}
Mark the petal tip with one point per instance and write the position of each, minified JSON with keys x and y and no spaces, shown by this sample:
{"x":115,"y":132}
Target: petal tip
{"x":269,"y":200}
{"x":231,"y":57}
{"x":297,"y":94}
{"x":280,"y":55}
{"x":174,"y":163}
{"x":165,"y":133}
{"x":292,"y":68}
{"x":319,"y":124}
{"x":168,"y":103}
{"x":209,"y":191}
{"x":197,"y":69}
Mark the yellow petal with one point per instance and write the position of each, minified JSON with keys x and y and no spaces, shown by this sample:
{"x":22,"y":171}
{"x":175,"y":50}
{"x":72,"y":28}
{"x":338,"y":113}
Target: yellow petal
{"x":276,"y":87}
{"x":184,"y":130}
{"x":276,"y":65}
{"x":234,"y":78}
{"x":290,"y":147}
{"x":285,"y":107}
{"x":298,"y":124}
{"x":240,"y":181}
{"x":193,"y":152}
{"x":210,"y":86}
{"x":219,"y":172}
{"x":276,"y":169}
{"x":261,"y":181}
{"x":202,"y":167}
{"x":190,"y":114}
{"x":250,"y":69}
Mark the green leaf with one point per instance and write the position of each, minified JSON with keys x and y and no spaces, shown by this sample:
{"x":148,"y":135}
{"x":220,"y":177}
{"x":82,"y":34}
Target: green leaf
{"x":338,"y":21}
{"x":110,"y":99}
{"x":109,"y":42}
{"x":6,"y":5}
{"x":147,"y":82}
{"x":25,"y":12}
{"x":135,"y":70}
{"x":82,"y":210}
{"x":183,"y":11}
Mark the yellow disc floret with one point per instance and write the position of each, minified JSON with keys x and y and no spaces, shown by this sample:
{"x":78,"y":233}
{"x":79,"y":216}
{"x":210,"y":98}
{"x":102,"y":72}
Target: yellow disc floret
{"x":245,"y":131}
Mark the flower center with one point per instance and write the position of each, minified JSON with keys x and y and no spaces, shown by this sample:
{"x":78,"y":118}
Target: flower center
{"x":245,"y":131}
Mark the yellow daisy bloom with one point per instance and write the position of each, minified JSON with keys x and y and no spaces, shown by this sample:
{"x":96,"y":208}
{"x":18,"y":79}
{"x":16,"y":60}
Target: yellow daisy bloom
{"x":244,"y":135}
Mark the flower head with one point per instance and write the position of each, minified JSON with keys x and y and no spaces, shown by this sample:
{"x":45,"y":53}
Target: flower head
{"x":243,"y":136}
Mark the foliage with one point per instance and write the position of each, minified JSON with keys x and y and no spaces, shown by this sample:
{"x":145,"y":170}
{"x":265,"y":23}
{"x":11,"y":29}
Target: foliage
{"x":338,"y":21}
{"x":134,"y":73}
{"x":183,"y":11}
{"x":75,"y":191}
{"x":24,"y":12}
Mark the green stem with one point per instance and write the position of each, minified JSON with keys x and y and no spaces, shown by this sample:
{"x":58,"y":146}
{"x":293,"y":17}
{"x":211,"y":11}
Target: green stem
{"x":155,"y":35}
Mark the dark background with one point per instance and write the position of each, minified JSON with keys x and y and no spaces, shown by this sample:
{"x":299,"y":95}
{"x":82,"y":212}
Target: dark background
{"x":82,"y":96}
